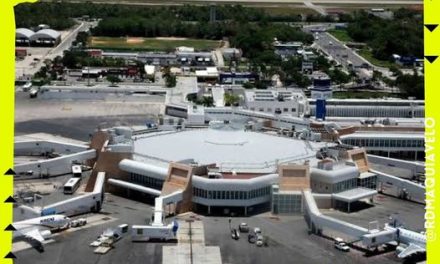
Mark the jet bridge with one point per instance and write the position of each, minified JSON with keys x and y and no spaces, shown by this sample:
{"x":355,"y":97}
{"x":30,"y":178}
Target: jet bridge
{"x":318,"y":221}
{"x":159,"y":203}
{"x":88,"y":202}
{"x":370,"y":238}
{"x":158,"y":229}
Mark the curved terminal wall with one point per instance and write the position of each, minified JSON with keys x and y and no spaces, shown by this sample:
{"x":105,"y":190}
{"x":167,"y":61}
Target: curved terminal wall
{"x":334,"y":176}
{"x":143,"y":169}
{"x":135,"y":187}
{"x":234,"y":185}
{"x":33,"y":148}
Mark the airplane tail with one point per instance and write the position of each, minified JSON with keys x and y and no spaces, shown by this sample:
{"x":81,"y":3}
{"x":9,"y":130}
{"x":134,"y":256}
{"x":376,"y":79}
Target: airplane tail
{"x":28,"y":212}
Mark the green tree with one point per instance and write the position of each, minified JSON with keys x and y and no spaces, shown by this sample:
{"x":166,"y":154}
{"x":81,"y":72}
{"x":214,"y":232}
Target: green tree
{"x":170,"y":81}
{"x":207,"y":101}
{"x":411,"y":84}
{"x":248,"y":85}
{"x":113,"y":79}
{"x":231,"y":99}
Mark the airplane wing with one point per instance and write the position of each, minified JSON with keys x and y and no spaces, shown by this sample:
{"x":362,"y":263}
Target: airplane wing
{"x":34,"y":235}
{"x":411,"y":249}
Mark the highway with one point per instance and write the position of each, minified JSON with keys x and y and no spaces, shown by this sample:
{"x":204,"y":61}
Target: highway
{"x":335,"y":48}
{"x":342,"y":54}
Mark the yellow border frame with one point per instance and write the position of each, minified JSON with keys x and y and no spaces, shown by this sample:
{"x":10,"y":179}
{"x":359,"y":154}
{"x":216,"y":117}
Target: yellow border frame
{"x":7,"y":99}
{"x":432,"y":144}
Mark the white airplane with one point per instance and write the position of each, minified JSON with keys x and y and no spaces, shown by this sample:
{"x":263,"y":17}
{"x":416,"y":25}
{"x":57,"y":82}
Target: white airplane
{"x":413,"y":242}
{"x":40,"y":228}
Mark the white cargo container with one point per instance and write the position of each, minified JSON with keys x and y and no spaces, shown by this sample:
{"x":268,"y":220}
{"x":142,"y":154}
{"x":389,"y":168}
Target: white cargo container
{"x":146,"y":233}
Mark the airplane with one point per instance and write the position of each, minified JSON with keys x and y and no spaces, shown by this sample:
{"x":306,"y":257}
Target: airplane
{"x":413,"y":242}
{"x":40,"y":228}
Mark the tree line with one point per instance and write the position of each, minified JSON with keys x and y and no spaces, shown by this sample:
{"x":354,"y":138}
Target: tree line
{"x":401,"y":35}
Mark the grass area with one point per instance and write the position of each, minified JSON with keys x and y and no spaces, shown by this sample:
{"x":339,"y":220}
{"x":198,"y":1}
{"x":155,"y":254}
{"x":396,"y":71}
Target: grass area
{"x":150,"y":44}
{"x":363,"y":95}
{"x":341,"y":34}
{"x":366,"y":53}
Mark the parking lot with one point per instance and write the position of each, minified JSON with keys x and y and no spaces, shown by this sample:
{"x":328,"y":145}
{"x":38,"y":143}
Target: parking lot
{"x":288,"y":241}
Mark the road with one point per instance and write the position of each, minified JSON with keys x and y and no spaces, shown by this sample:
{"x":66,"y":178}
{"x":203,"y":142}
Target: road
{"x":318,"y":9}
{"x":339,"y":51}
{"x":335,"y":48}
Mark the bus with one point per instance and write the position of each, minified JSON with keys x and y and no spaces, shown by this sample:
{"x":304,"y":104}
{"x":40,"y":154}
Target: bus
{"x":77,"y":171}
{"x":72,"y":185}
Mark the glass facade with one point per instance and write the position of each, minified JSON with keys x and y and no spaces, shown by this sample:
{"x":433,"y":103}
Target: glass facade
{"x":286,"y":203}
{"x":146,"y":181}
{"x":344,"y":185}
{"x":365,"y":111}
{"x":231,"y":195}
{"x":369,"y":182}
{"x":385,"y":142}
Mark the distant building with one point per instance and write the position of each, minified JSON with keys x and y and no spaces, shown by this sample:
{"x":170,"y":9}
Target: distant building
{"x":158,"y":59}
{"x":23,"y":36}
{"x":43,"y":26}
{"x":280,"y":101}
{"x":45,"y":37}
{"x":237,"y":77}
{"x":97,"y":53}
{"x":308,"y":55}
{"x":230,"y":53}
{"x":194,"y":58}
{"x":307,"y":66}
{"x":287,"y":49}
{"x":184,"y":49}
{"x":20,"y":52}
{"x":210,"y":74}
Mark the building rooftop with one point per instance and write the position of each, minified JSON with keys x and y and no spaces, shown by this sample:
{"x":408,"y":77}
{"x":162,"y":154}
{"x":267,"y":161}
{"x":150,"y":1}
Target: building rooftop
{"x":275,"y":95}
{"x":354,"y":194}
{"x":231,"y":148}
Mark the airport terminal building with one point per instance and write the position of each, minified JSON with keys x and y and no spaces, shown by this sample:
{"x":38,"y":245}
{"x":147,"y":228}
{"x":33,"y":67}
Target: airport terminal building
{"x":225,"y":169}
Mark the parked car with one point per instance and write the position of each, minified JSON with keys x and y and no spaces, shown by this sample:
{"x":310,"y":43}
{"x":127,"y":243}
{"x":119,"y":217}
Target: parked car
{"x":78,"y":222}
{"x":259,"y":241}
{"x":235,"y":234}
{"x":27,"y":86}
{"x":82,"y":221}
{"x":74,"y":223}
{"x":243,"y":227}
{"x":341,"y":245}
{"x":257,"y":230}
{"x":251,"y":238}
